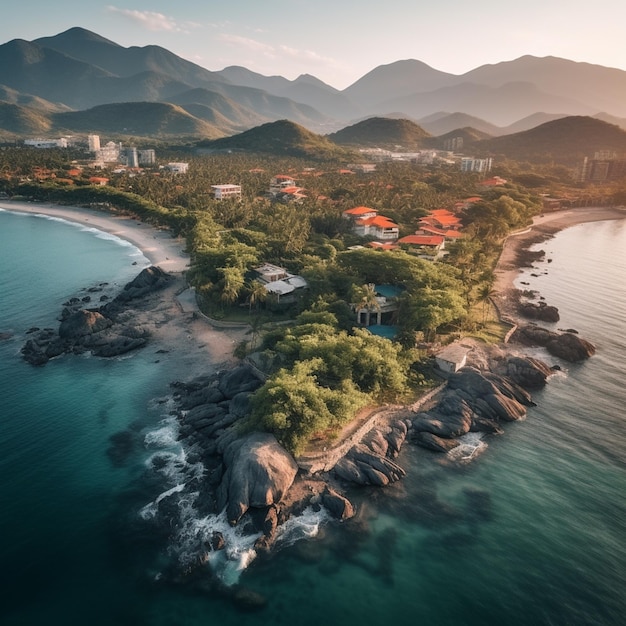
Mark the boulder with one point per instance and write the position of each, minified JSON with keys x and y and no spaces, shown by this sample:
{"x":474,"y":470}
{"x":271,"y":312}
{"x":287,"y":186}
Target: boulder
{"x":570,"y":347}
{"x":259,"y":471}
{"x":437,"y":444}
{"x":540,"y":311}
{"x":337,"y":505}
{"x":528,"y":372}
{"x":567,"y":346}
{"x":83,"y":322}
{"x":239,"y":379}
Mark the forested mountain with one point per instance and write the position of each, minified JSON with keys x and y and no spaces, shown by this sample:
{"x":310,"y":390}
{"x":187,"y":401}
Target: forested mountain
{"x":79,"y":70}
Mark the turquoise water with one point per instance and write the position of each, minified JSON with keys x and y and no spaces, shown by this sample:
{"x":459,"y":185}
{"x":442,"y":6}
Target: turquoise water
{"x":532,"y":532}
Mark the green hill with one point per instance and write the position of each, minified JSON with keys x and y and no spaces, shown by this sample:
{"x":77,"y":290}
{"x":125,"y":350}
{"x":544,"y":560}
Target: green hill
{"x":136,"y":118}
{"x":21,"y":120}
{"x":566,"y":141}
{"x":281,"y":138}
{"x":383,"y":132}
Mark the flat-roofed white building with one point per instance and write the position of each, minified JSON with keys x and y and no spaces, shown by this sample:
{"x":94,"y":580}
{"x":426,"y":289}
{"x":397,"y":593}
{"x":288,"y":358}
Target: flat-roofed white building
{"x":223,"y":192}
{"x":178,"y":168}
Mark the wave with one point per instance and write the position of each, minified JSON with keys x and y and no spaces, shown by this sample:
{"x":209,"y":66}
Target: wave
{"x":471,"y":446}
{"x":164,"y":437}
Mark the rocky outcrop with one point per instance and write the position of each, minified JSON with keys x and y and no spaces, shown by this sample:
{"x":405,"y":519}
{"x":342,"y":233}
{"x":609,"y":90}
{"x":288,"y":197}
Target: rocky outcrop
{"x":476,"y":401}
{"x":337,"y":505}
{"x":370,"y":462}
{"x":259,"y":471}
{"x":100,"y":331}
{"x":540,"y":311}
{"x":567,"y":346}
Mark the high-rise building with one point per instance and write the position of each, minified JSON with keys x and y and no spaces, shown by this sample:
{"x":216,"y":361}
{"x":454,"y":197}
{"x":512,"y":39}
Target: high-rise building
{"x":94,"y":143}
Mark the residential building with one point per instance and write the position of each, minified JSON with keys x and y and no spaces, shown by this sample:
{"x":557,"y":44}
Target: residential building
{"x":279,"y":183}
{"x":46,"y":143}
{"x":279,"y":282}
{"x":98,"y":180}
{"x":132,"y":157}
{"x":469,"y":164}
{"x":605,"y":166}
{"x":367,"y":222}
{"x":93,"y":142}
{"x":146,"y":157}
{"x":381,"y":313}
{"x":224,"y":192}
{"x":110,"y":153}
{"x":177,"y":168}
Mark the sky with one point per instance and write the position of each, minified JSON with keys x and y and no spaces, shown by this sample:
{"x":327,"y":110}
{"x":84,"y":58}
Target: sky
{"x":338,"y":41}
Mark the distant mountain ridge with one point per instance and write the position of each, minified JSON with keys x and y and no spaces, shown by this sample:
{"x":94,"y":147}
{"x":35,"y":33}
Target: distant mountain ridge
{"x":79,"y":70}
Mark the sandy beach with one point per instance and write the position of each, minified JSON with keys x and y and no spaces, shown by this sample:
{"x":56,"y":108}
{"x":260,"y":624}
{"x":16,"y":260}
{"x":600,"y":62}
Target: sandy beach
{"x":543,"y":227}
{"x":178,"y":330}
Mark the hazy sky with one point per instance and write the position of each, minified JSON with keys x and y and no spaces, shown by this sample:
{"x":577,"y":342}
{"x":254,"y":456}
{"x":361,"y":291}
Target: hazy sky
{"x":339,"y":40}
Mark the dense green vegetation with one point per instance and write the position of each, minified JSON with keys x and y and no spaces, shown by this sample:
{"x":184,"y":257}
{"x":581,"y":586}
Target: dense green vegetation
{"x":322,"y":368}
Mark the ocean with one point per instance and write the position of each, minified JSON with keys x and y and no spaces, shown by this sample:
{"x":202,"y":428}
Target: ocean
{"x":533,"y":531}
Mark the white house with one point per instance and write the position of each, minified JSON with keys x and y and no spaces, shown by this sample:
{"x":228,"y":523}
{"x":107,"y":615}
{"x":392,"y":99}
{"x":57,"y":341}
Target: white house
{"x":452,"y":358}
{"x":223,"y":192}
{"x":279,"y":282}
{"x":178,"y":168}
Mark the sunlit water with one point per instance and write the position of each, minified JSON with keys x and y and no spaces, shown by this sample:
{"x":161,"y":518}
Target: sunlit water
{"x":533,"y":531}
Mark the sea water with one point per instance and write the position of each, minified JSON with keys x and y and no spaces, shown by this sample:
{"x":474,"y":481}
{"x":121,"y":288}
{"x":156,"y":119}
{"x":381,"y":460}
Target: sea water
{"x":532,"y":531}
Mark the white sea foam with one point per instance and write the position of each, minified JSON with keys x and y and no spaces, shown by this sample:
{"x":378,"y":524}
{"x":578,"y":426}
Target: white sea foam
{"x":302,"y":526}
{"x":150,"y":510}
{"x":472,"y":445}
{"x":164,"y":437}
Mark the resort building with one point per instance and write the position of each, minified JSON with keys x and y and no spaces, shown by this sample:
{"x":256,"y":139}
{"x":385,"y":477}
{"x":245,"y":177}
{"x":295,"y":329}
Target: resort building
{"x":225,"y":192}
{"x":46,"y":143}
{"x":146,"y":157}
{"x":93,"y":142}
{"x":279,"y":282}
{"x":367,"y":222}
{"x":469,"y":164}
{"x":177,"y":168}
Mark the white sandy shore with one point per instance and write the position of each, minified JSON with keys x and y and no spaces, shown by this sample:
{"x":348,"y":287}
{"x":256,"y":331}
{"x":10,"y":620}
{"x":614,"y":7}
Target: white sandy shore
{"x":157,"y":245}
{"x":177,"y":330}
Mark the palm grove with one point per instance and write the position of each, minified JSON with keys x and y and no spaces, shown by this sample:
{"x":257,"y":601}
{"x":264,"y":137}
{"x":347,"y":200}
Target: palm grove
{"x":322,"y":368}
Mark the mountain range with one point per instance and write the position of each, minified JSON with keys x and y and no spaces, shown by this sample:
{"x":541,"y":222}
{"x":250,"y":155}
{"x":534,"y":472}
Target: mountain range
{"x":78,"y":81}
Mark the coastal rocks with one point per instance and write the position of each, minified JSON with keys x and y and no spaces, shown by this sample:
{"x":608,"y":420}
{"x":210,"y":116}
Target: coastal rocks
{"x":567,"y":346}
{"x":474,"y":401}
{"x":525,"y":371}
{"x":95,"y":330}
{"x":540,"y":311}
{"x":258,"y":473}
{"x":437,"y":444}
{"x":337,"y":505}
{"x":371,"y":461}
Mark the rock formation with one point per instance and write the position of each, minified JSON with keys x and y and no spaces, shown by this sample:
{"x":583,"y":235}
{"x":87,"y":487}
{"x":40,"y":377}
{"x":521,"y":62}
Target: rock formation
{"x":567,"y":346}
{"x":102,"y":331}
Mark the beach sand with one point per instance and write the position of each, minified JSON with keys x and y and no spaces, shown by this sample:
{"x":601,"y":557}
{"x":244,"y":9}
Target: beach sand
{"x":543,"y":227}
{"x":179,"y":331}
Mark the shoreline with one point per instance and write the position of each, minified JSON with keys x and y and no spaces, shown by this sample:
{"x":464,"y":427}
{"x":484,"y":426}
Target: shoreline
{"x":157,"y":245}
{"x":545,"y":226}
{"x":178,"y":332}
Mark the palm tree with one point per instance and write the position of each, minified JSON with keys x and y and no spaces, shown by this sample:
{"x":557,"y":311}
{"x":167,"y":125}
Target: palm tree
{"x":256,"y":293}
{"x":366,"y":299}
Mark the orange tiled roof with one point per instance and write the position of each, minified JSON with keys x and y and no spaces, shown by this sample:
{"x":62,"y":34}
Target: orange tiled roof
{"x":422,"y":240}
{"x":380,"y":221}
{"x":359,"y":210}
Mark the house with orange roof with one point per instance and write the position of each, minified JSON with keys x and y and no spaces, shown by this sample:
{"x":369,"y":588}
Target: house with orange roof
{"x":98,"y":180}
{"x":279,"y":183}
{"x":359,"y":212}
{"x":426,"y":246}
